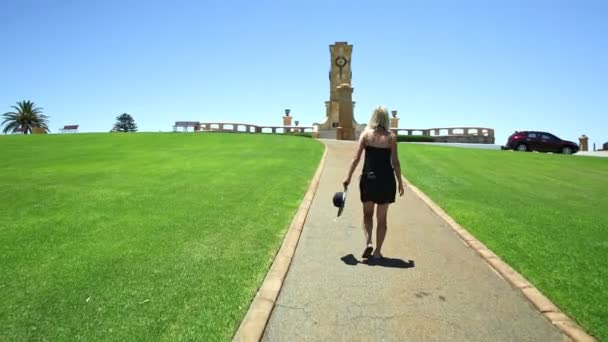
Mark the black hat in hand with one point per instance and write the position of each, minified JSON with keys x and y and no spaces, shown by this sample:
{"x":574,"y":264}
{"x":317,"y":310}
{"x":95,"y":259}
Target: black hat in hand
{"x":339,"y":201}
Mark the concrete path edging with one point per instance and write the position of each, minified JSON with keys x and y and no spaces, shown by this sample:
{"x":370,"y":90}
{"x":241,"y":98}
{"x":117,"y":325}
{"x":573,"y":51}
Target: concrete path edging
{"x":253,"y":325}
{"x":549,"y":310}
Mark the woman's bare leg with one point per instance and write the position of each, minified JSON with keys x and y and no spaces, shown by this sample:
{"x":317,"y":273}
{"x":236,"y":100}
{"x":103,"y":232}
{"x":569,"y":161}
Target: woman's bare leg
{"x":381,"y":212}
{"x":368,"y":221}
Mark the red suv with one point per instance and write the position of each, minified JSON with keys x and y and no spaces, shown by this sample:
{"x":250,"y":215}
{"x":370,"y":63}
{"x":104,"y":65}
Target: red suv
{"x":539,"y":141}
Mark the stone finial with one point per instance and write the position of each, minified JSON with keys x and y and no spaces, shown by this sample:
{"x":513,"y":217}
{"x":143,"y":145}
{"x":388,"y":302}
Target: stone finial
{"x":394,"y":113}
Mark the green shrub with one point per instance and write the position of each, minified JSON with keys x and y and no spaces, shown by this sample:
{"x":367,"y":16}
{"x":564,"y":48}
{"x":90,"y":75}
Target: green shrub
{"x":301,"y":134}
{"x":414,"y":138}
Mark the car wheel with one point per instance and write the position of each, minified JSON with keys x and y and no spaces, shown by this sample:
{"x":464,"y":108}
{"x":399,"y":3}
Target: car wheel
{"x":521,"y":148}
{"x":567,"y":150}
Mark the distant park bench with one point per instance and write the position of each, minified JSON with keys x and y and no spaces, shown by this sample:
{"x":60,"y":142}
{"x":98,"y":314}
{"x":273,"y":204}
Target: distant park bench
{"x":186,"y":124}
{"x":69,"y":129}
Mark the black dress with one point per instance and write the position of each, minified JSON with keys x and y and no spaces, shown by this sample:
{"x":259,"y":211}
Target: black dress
{"x":377,"y":183}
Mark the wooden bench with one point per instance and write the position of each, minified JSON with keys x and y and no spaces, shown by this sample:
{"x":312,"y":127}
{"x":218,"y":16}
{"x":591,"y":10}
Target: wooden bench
{"x":185,"y":124}
{"x":69,"y":129}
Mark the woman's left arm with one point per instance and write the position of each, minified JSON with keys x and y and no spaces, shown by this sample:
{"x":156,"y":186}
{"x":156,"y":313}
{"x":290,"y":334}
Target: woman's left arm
{"x":396,"y":163}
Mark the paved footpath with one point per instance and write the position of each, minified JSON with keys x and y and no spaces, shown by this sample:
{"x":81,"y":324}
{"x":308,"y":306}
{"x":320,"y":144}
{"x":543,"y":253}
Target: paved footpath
{"x":431,"y":288}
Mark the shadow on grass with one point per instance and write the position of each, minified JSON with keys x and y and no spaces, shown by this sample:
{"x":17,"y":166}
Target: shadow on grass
{"x":384,"y":262}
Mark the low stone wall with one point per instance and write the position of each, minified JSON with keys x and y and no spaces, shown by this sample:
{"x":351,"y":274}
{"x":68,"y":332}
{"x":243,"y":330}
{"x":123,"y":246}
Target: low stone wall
{"x":468,"y":139}
{"x":473,"y":135}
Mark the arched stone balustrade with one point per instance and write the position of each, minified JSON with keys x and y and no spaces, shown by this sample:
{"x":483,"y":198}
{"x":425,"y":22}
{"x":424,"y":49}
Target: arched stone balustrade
{"x":249,"y":128}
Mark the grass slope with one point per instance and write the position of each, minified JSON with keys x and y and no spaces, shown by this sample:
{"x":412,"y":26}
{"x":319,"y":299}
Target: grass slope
{"x":545,"y":215}
{"x":141,"y":236}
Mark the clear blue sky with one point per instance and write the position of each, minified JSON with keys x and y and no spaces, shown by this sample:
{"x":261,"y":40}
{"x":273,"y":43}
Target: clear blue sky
{"x":508,"y":65}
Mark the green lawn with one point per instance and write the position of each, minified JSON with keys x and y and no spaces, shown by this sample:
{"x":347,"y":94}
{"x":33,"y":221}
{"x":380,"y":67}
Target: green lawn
{"x":142,"y":236}
{"x":546,"y":215}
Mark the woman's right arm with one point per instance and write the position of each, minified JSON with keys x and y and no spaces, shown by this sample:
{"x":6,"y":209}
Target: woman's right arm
{"x":396,"y":163}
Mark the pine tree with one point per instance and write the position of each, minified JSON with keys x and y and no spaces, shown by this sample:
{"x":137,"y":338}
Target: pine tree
{"x":125,"y":123}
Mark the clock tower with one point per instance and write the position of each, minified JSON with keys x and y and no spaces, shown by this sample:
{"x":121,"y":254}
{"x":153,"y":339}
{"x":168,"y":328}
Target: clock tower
{"x":340,"y":71}
{"x":340,"y":75}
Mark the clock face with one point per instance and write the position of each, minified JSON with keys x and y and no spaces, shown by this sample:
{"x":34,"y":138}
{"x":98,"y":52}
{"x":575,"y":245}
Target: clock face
{"x":341,"y":61}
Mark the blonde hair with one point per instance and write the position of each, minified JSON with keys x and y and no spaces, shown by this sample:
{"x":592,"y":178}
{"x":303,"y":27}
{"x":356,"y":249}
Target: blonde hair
{"x":379,"y":119}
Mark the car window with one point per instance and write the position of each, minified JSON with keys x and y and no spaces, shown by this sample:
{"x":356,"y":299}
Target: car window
{"x":532,"y":135}
{"x":546,"y":136}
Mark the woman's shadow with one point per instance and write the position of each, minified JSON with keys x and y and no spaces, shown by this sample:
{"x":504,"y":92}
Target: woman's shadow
{"x":384,"y":261}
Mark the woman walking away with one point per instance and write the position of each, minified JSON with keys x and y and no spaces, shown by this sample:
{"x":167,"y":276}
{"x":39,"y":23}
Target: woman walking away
{"x":377,"y":182}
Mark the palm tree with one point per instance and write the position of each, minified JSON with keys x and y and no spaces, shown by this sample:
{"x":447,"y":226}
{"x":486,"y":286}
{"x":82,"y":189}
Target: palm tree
{"x":25,"y":117}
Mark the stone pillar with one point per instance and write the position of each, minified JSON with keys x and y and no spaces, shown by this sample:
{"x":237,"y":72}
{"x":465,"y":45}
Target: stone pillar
{"x":315,"y":131}
{"x":583,"y":141}
{"x":346,"y":129}
{"x":394,"y":120}
{"x":287,"y":121}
